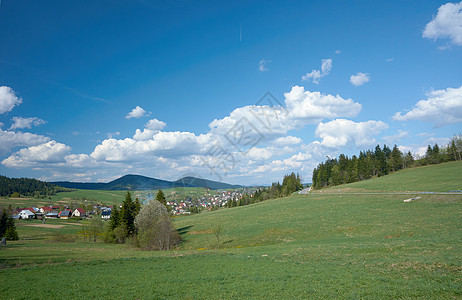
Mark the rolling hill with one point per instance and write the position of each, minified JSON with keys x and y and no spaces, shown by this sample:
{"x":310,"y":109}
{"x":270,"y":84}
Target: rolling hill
{"x":314,"y":246}
{"x":138,"y":182}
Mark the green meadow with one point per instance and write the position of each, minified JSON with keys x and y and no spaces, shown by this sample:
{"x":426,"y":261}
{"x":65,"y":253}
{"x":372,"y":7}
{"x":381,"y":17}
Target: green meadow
{"x":300,"y":247}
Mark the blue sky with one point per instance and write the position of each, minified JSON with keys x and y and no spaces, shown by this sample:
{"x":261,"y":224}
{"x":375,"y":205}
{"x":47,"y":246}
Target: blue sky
{"x":94,"y":90}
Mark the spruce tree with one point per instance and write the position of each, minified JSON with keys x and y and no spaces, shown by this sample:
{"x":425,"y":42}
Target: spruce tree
{"x":115,"y":218}
{"x":3,"y":223}
{"x":11,"y":234}
{"x":127,"y":214}
{"x":161,"y":198}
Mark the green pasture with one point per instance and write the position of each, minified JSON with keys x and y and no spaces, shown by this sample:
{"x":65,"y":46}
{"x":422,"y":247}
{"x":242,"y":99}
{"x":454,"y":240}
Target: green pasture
{"x":314,"y":246}
{"x":433,"y":178}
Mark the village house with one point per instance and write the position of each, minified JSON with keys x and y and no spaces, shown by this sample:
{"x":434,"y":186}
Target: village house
{"x":78,"y":212}
{"x":65,"y":214}
{"x":106,"y":214}
{"x":46,"y":209}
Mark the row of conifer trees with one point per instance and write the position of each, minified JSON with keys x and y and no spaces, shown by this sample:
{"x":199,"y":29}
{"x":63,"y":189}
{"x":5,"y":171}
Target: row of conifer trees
{"x":379,"y":162}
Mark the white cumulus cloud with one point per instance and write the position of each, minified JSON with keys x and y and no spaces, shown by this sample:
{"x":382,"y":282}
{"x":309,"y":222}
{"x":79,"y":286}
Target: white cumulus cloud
{"x":20,"y":122}
{"x":167,"y":144}
{"x":150,"y":129}
{"x":301,"y":108}
{"x":11,"y":139}
{"x":50,"y":152}
{"x":359,"y":79}
{"x":312,"y":107}
{"x":446,"y":24}
{"x":8,"y":99}
{"x":137,"y":112}
{"x":442,"y":107}
{"x":316,"y":75}
{"x":341,"y":132}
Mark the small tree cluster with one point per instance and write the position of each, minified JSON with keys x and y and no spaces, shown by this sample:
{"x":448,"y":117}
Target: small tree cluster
{"x":122,"y":222}
{"x":290,"y":183}
{"x":7,"y":227}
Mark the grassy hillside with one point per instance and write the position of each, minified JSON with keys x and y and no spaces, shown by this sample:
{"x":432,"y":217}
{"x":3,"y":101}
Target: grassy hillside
{"x":434,"y":178}
{"x":303,"y":246}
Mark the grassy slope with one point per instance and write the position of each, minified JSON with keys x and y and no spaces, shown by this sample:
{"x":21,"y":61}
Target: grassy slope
{"x":304,"y":246}
{"x":435,"y":178}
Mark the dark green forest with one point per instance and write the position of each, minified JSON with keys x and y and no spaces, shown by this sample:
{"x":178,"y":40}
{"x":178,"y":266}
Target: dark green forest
{"x":380,"y":162}
{"x":27,"y":187}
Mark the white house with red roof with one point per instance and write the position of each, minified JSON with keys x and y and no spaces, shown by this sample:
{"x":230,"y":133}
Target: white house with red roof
{"x":46,"y":209}
{"x":78,"y":212}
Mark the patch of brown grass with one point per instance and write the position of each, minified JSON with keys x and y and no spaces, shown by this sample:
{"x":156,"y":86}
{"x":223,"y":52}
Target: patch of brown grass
{"x":196,"y":232}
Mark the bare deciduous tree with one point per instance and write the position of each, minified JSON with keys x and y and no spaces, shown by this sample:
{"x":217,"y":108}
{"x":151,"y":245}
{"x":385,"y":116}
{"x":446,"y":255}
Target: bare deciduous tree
{"x":155,"y":231}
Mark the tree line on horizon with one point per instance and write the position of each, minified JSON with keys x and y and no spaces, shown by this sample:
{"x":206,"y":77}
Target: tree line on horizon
{"x":380,"y":162}
{"x":16,"y":187}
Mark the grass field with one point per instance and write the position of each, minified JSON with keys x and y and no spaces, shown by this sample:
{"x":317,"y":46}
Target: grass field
{"x":434,"y":178}
{"x":300,"y":247}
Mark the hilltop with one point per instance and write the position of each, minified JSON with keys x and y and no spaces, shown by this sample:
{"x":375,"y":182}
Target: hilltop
{"x":139,"y":182}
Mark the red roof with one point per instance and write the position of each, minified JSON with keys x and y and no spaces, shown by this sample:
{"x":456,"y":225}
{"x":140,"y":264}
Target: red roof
{"x":55,"y":207}
{"x":80,"y":210}
{"x":47,"y":208}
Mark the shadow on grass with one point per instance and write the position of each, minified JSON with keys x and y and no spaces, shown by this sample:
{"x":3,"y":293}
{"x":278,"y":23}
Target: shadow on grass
{"x":184,"y":230}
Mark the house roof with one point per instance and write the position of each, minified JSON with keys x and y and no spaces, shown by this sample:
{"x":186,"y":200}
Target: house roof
{"x":65,"y":213}
{"x":27,"y":212}
{"x":106,"y":213}
{"x":47,"y":208}
{"x":80,"y":210}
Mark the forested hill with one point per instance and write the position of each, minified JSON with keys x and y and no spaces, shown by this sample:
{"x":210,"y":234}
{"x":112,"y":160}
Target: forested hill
{"x":26,"y":187}
{"x":379,"y":162}
{"x":138,"y":182}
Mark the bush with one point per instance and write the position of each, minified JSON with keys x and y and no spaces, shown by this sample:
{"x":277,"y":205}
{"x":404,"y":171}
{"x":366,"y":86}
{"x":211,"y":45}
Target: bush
{"x":155,"y":231}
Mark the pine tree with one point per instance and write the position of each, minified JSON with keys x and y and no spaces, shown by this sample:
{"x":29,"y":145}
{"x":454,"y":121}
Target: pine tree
{"x":127,"y":214}
{"x":137,"y":206}
{"x":3,"y":223}
{"x":115,"y":218}
{"x":396,"y":160}
{"x":161,"y":198}
{"x":11,"y":234}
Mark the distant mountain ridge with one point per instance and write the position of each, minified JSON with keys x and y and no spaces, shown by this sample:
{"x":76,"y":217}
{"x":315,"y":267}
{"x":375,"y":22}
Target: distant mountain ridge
{"x":139,"y":182}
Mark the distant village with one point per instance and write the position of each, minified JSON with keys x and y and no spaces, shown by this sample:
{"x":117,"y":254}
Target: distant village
{"x":57,"y":212}
{"x":210,"y":201}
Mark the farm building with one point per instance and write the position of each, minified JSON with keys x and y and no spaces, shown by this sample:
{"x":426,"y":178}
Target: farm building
{"x":65,"y":214}
{"x":26,"y":214}
{"x":51,"y":215}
